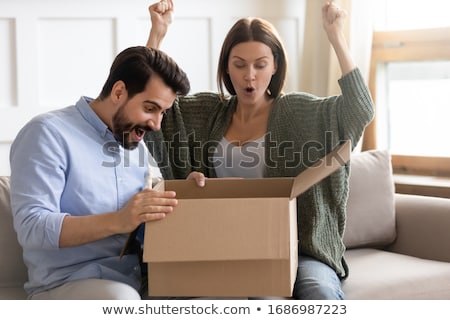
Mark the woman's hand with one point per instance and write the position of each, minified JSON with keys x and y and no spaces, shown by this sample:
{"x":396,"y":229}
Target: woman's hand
{"x":333,"y":20}
{"x":198,"y":177}
{"x":161,"y":16}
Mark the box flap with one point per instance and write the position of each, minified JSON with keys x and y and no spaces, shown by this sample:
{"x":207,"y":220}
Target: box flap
{"x":321,"y":169}
{"x":221,"y":188}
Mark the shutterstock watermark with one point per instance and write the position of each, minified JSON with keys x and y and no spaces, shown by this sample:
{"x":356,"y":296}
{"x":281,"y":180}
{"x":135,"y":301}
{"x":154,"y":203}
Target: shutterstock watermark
{"x":192,"y":153}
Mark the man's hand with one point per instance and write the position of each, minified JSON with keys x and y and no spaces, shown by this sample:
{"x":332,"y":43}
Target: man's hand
{"x":144,"y":206}
{"x":147,"y":205}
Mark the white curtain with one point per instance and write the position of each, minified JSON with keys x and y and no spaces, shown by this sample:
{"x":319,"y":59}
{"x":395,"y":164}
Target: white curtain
{"x":319,"y":70}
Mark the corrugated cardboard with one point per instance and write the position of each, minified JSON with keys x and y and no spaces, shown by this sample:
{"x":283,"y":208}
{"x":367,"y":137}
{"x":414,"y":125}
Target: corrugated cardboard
{"x":233,"y":237}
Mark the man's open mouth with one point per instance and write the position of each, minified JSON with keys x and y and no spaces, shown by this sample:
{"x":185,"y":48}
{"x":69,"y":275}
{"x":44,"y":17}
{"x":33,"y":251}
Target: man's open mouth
{"x":136,"y":134}
{"x":139,"y":132}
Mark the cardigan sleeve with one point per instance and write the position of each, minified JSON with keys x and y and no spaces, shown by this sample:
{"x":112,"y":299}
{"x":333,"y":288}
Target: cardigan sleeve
{"x":354,"y":107}
{"x":333,"y":119}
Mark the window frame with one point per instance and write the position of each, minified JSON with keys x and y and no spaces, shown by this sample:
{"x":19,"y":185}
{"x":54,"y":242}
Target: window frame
{"x":408,"y":46}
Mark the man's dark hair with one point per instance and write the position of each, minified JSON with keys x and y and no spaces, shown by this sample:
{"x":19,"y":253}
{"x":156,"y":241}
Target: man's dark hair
{"x":135,"y":67}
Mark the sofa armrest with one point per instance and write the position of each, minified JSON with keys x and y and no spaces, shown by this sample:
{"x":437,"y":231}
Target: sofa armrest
{"x":423,"y":227}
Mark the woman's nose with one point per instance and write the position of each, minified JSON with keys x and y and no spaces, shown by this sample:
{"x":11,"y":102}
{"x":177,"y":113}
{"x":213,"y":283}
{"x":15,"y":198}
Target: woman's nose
{"x":249,"y":74}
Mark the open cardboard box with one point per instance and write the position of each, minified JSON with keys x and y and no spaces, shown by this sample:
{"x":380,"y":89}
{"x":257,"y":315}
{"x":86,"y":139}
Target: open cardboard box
{"x":233,"y":237}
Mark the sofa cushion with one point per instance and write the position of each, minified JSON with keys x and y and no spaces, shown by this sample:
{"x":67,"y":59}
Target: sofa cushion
{"x":12,"y":269}
{"x":377,"y":274}
{"x":371,"y":204}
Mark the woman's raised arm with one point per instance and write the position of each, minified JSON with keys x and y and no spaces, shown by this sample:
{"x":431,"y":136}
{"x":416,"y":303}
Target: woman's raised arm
{"x":333,"y":20}
{"x":161,"y":16}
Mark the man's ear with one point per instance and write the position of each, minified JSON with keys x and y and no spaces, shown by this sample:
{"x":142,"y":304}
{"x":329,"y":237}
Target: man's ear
{"x":119,"y":92}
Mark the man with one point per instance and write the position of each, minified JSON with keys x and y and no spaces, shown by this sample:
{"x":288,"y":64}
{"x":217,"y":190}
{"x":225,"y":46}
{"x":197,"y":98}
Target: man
{"x":77,"y":178}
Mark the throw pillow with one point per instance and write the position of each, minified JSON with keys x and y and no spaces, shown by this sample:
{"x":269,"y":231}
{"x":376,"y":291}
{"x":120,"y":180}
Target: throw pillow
{"x":371,"y":203}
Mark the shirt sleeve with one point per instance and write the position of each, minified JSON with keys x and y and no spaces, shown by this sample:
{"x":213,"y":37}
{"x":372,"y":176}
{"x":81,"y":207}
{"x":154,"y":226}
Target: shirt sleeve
{"x":38,"y":166}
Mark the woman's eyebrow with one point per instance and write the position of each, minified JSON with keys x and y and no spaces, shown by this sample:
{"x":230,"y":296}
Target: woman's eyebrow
{"x":260,"y":58}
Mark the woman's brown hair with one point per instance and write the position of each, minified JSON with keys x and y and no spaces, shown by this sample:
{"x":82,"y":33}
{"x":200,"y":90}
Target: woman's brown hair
{"x":253,"y":29}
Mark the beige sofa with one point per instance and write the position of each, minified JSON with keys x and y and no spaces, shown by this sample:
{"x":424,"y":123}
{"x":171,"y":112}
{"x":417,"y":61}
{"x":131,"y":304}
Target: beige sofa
{"x":398,"y":245}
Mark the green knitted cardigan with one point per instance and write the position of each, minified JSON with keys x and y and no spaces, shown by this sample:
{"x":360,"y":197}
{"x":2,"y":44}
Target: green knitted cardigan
{"x":301,"y":129}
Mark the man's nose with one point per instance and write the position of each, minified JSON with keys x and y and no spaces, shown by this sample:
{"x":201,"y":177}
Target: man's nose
{"x":155,"y":122}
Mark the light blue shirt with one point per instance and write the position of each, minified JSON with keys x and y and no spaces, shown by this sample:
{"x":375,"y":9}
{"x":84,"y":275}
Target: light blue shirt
{"x":67,"y":162}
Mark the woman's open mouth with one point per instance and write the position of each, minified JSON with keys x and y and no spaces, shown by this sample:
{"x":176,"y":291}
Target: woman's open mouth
{"x":249,"y":90}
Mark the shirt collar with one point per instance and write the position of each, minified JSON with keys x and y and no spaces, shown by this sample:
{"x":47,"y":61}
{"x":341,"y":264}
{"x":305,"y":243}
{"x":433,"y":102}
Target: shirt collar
{"x":91,"y":117}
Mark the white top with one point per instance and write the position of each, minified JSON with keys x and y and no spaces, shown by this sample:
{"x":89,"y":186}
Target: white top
{"x":246,"y":161}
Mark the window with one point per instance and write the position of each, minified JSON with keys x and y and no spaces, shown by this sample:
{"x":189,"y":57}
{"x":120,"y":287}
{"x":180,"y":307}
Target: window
{"x":411,"y":14}
{"x":410,"y":84}
{"x":417,"y":106}
{"x":410,"y":81}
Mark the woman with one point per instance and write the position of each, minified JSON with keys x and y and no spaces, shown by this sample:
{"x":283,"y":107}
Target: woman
{"x":258,"y":131}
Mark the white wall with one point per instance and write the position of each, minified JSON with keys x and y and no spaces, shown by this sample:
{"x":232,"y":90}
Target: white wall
{"x":54,"y":51}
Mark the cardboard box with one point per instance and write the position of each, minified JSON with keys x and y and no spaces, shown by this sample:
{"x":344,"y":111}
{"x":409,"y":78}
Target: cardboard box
{"x":233,"y":237}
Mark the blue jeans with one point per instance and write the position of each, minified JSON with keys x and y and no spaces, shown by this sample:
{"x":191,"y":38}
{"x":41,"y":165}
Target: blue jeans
{"x":316,"y":281}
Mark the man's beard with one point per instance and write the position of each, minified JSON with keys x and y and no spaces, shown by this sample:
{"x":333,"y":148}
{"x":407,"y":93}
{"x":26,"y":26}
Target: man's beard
{"x":122,"y":128}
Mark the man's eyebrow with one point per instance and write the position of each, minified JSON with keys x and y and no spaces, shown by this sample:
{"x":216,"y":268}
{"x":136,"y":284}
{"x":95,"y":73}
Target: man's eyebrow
{"x":156,"y":104}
